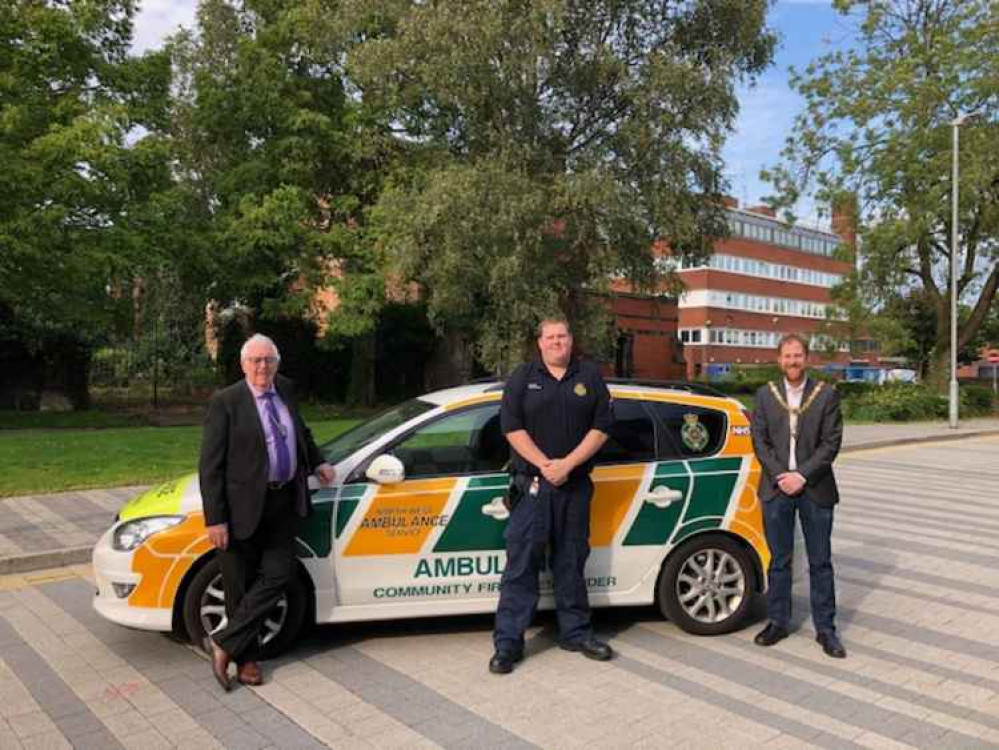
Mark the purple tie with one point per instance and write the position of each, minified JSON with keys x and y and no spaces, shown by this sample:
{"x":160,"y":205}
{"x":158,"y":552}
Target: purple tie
{"x":277,"y":431}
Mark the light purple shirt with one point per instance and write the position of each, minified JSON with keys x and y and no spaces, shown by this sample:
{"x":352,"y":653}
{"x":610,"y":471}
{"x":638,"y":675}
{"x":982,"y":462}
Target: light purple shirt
{"x":270,"y":434}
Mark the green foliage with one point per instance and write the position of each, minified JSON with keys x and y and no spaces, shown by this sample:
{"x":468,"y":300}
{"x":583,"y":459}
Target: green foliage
{"x":318,"y":372}
{"x":550,"y":145}
{"x":747,"y":380}
{"x":896,"y":402}
{"x":877,"y":125}
{"x":905,"y":402}
{"x":276,"y":157}
{"x":82,"y":190}
{"x":976,"y":401}
{"x":405,"y":343}
{"x":856,"y":389}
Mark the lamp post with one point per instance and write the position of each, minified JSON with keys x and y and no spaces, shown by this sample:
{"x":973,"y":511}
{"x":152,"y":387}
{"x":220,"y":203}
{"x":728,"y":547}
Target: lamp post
{"x":956,"y":124}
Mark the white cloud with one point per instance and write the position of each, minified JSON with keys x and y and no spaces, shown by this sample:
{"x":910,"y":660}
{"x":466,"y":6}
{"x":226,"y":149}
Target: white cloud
{"x":158,"y":19}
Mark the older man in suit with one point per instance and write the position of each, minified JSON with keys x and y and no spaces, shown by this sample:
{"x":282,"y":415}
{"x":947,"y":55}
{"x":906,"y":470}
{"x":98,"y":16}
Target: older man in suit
{"x":256,"y":456}
{"x":797,"y":430}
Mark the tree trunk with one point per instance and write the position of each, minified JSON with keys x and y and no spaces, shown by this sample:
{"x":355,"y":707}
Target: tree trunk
{"x":938,"y":373}
{"x":361,"y":388}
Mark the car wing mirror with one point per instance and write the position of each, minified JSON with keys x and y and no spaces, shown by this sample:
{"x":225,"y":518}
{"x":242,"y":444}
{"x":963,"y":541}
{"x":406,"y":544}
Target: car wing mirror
{"x":386,"y":469}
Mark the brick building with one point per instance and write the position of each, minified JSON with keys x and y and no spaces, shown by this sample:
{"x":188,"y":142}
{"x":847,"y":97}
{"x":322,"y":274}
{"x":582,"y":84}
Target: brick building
{"x":647,"y":346}
{"x":766,"y":279}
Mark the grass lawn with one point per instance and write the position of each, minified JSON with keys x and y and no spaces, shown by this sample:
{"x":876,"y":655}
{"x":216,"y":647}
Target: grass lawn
{"x":36,"y":461}
{"x":44,"y":420}
{"x":100,"y":417}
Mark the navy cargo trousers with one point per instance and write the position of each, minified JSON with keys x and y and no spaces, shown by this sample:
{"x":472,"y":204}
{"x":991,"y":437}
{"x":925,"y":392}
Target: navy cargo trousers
{"x":556,"y":520}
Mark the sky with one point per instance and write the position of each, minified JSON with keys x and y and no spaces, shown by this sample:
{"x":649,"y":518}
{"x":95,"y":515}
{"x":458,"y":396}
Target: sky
{"x":807,"y":29}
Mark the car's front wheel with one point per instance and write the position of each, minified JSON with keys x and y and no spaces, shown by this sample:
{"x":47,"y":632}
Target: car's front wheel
{"x":706,"y":585}
{"x":204,"y":611}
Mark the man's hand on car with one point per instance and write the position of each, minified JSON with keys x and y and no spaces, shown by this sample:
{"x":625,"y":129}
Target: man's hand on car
{"x":218,"y":535}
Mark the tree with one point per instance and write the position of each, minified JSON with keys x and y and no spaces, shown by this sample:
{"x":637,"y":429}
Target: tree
{"x":877,"y":124}
{"x":84,"y":169}
{"x":281,"y":164}
{"x":551,"y":144}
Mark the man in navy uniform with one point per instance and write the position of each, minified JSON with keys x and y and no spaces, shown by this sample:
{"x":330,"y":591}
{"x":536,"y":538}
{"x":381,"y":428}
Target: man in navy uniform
{"x":797,"y":431}
{"x":556,"y":414}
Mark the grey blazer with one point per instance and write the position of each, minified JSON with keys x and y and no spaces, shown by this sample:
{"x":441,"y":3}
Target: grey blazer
{"x":820,"y":434}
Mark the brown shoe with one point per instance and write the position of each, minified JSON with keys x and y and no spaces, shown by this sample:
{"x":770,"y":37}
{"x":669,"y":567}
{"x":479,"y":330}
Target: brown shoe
{"x":250,"y":673}
{"x":220,"y":663}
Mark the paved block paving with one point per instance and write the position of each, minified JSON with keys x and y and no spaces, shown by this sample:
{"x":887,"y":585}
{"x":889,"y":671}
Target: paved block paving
{"x":915,"y":553}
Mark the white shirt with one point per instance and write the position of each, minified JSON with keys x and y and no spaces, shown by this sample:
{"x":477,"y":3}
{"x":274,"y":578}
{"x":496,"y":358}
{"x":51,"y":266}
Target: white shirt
{"x":794,"y":404}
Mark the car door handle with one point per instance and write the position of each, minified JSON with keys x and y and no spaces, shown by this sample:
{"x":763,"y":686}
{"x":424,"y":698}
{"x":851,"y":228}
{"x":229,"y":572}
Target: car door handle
{"x":663,"y":497}
{"x":495,"y":509}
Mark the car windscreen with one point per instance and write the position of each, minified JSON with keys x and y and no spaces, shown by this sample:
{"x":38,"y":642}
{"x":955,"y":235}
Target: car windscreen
{"x":342,"y":446}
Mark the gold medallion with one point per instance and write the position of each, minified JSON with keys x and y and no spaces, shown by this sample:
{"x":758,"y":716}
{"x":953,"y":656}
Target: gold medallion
{"x":579,"y":390}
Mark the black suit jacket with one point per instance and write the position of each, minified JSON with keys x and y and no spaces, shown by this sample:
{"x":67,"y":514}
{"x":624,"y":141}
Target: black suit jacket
{"x":234,"y":463}
{"x":820,"y":434}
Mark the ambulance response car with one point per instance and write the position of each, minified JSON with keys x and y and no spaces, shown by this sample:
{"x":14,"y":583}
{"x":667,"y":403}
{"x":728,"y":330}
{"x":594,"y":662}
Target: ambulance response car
{"x":414,"y":526}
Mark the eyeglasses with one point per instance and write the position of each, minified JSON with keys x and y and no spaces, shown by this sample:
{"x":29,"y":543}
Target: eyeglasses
{"x":262,"y":360}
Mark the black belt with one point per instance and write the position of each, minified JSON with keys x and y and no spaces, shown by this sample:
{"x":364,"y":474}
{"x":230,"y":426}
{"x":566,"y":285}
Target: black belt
{"x":275,"y":486}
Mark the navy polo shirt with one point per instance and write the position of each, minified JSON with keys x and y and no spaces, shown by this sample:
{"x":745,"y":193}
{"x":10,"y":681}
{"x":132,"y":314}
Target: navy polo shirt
{"x":557,"y":414}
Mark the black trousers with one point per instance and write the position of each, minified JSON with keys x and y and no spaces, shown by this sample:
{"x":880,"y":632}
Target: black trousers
{"x":556,"y":519}
{"x":255,"y":572}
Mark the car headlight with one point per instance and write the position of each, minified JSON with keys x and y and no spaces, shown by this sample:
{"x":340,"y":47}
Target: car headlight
{"x":131,"y":534}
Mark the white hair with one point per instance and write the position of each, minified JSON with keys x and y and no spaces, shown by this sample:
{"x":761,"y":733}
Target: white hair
{"x":258,"y":338}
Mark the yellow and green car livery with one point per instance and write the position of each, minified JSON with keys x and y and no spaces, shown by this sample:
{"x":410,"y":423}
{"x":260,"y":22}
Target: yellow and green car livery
{"x":415,"y":525}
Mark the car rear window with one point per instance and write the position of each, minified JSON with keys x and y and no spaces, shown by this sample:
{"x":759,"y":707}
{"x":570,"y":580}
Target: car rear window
{"x":631,"y":438}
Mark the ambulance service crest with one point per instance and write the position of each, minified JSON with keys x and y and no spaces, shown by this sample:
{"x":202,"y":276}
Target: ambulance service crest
{"x":579,"y":390}
{"x":693,"y":433}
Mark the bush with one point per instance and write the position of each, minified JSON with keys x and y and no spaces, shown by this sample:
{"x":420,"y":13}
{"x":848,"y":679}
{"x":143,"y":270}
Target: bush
{"x":855,"y":389}
{"x":976,"y":400}
{"x":896,"y":402}
{"x":749,"y":379}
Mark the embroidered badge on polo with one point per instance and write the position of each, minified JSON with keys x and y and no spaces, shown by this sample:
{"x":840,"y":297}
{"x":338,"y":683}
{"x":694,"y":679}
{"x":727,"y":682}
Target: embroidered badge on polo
{"x":534,"y":386}
{"x":579,"y":390}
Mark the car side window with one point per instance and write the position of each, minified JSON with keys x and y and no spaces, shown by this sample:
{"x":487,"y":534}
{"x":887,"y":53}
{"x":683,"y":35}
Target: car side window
{"x":632,"y":438}
{"x":689,"y":431}
{"x":468,"y":442}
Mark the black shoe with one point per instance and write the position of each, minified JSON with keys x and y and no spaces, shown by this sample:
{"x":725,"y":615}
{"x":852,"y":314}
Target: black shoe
{"x":591,"y":648}
{"x":503,"y":661}
{"x":831,"y":645}
{"x":770,"y":635}
{"x":220,"y":663}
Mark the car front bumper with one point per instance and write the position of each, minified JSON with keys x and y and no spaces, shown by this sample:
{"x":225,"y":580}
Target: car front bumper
{"x":113,"y":569}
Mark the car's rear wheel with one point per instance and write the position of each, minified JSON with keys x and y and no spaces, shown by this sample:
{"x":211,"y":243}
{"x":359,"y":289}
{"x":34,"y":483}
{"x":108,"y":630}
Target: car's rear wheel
{"x":706,"y":586}
{"x":204,"y":611}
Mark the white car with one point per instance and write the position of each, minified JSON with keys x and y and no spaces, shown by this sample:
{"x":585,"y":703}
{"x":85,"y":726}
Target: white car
{"x":414,"y":527}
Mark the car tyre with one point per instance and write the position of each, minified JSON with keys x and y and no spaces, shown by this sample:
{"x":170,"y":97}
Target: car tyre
{"x":707,"y":585}
{"x":204,"y":610}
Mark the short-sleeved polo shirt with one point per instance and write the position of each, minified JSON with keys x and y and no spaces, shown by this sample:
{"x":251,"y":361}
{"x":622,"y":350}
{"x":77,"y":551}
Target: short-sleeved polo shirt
{"x":557,"y":414}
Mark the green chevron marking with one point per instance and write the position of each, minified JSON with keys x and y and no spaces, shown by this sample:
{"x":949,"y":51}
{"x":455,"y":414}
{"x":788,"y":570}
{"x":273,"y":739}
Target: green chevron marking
{"x":654,"y":525}
{"x":471,"y":529}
